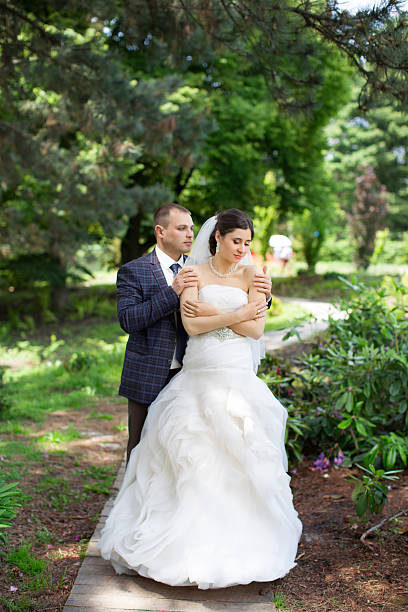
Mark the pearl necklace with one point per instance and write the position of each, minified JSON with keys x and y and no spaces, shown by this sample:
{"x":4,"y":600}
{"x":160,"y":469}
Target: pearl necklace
{"x":234,"y":267}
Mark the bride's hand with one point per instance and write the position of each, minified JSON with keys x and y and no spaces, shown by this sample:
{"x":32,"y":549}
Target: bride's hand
{"x":194,"y":308}
{"x":253,"y":310}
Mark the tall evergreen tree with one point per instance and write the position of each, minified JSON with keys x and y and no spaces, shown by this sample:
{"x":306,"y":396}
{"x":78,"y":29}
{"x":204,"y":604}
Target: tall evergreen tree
{"x":378,"y":138}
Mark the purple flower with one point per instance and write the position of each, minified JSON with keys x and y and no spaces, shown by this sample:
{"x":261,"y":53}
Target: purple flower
{"x":338,"y":415}
{"x":389,"y":487}
{"x":12,"y":589}
{"x":319,"y":410}
{"x":338,"y":460}
{"x":321,"y":464}
{"x":278,"y":370}
{"x":293,"y":471}
{"x":290,"y":391}
{"x":45,"y":455}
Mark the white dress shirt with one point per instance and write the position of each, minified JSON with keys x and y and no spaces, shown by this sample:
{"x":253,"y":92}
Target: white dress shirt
{"x":165,"y":262}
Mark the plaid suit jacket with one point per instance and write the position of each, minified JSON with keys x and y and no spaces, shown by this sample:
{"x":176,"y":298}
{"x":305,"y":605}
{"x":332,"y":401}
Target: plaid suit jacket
{"x":146,"y":307}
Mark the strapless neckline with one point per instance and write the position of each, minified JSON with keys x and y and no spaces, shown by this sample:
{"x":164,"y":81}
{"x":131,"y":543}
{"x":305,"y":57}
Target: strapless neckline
{"x":223,"y":286}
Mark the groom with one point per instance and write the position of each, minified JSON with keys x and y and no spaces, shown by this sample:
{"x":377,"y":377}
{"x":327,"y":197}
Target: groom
{"x":148,"y":291}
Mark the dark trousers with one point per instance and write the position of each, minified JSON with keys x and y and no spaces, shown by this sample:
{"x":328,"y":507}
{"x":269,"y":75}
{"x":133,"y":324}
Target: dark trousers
{"x":137,"y":414}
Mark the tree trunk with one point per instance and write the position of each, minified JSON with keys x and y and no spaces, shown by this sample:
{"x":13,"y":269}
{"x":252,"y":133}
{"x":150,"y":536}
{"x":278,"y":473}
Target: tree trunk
{"x":131,"y":248}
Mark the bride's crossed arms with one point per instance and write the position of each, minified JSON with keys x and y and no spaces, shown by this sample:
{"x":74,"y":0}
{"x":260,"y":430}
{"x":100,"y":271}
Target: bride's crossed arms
{"x":199,"y":317}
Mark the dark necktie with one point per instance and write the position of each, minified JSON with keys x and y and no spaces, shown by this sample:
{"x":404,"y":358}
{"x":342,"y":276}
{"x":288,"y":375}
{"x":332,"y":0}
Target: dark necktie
{"x":181,"y":335}
{"x":175,"y":268}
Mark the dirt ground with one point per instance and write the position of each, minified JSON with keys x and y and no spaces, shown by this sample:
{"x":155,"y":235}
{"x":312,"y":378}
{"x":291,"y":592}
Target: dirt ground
{"x":335,"y":571}
{"x":70,"y":523}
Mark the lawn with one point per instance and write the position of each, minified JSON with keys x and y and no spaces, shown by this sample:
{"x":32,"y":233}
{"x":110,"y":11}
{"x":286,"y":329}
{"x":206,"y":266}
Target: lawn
{"x":286,"y":314}
{"x":62,"y":436}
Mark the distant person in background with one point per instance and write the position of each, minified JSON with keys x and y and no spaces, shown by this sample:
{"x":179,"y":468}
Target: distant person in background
{"x":284,"y":254}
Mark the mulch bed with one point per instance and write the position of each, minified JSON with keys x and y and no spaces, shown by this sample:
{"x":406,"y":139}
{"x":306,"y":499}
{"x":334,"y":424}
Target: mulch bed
{"x":335,"y":571}
{"x":72,"y":523}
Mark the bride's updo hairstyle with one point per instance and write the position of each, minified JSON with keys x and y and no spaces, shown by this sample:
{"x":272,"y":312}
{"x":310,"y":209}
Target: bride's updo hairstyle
{"x":228,"y":221}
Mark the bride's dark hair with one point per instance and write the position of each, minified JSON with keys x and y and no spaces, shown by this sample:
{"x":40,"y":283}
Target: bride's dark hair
{"x":228,"y":221}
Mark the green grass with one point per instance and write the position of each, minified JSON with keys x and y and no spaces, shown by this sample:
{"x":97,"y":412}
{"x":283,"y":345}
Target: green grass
{"x":100,"y":415}
{"x":281,"y":601}
{"x":289,"y":314}
{"x":33,"y":392}
{"x":43,"y":535}
{"x":321,"y":288}
{"x":53,"y":343}
{"x":22,"y":453}
{"x":100,"y":479}
{"x":22,"y":558}
{"x":60,"y":492}
{"x":58,"y":437}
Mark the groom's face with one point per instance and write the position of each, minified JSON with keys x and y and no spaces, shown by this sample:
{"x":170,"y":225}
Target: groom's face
{"x":178,"y":236}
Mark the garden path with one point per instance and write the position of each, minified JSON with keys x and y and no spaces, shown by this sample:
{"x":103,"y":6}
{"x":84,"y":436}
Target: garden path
{"x":320,"y":311}
{"x":98,"y":589}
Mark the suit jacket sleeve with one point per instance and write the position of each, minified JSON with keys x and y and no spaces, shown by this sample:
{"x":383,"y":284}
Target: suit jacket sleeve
{"x":134,"y":311}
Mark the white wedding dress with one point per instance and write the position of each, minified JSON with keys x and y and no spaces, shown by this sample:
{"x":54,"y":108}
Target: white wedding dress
{"x":205,"y":498}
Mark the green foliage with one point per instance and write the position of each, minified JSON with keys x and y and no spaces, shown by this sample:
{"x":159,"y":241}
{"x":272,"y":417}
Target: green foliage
{"x":310,"y":227}
{"x":22,"y":558}
{"x":28,"y":270}
{"x":92,"y":305}
{"x":3,"y":392}
{"x":281,"y":601}
{"x":68,"y":434}
{"x":376,"y":137}
{"x":350,"y":392}
{"x":284,"y":314}
{"x":83,"y":544}
{"x":60,"y":492}
{"x":10,"y":497}
{"x":61,"y":373}
{"x":368,"y":211}
{"x":24,"y":603}
{"x":100,"y":415}
{"x":100,"y":479}
{"x":370,"y":493}
{"x":43,"y":535}
{"x":80,"y":361}
{"x":387,"y":250}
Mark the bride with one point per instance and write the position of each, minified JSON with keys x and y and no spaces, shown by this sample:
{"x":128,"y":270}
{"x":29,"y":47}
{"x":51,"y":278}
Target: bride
{"x":206,"y":499}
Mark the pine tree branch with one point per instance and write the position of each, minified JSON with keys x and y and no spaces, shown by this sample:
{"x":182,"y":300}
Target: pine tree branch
{"x":8,"y":8}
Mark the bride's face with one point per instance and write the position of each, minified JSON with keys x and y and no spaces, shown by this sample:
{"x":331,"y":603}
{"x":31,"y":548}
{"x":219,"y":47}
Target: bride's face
{"x":234,"y":245}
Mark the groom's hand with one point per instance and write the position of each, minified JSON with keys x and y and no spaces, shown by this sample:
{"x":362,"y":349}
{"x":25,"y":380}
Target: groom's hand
{"x":263,"y":283}
{"x":187,"y":277}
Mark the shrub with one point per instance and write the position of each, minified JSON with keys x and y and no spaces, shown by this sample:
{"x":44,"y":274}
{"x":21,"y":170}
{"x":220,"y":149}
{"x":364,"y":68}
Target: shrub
{"x":9,"y":502}
{"x":3,"y":393}
{"x":351,"y":392}
{"x":369,"y":493}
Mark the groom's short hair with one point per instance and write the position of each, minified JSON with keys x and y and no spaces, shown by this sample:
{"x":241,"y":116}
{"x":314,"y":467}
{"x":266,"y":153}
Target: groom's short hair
{"x":161,"y":215}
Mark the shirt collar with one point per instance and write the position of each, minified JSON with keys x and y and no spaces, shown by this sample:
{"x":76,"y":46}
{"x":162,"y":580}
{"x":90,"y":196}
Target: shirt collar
{"x":166,"y":261}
